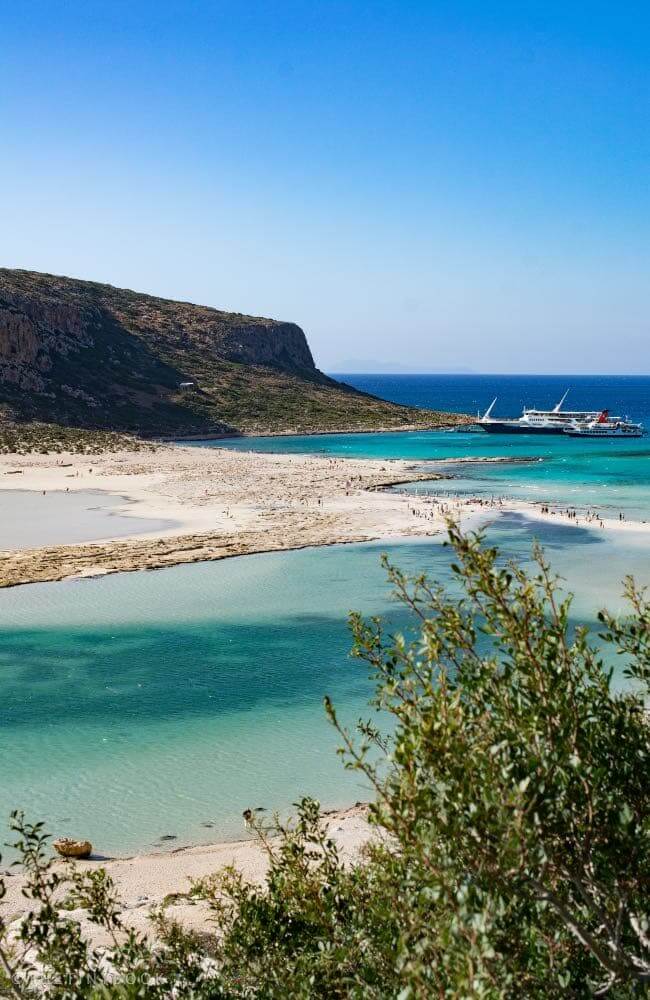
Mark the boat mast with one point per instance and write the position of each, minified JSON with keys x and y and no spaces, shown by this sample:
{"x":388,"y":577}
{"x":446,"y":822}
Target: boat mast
{"x":558,"y":407}
{"x":486,"y":415}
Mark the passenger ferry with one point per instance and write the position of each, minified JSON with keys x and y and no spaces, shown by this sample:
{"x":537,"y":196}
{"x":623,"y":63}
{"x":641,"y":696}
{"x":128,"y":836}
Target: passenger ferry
{"x":555,"y":421}
{"x":606,"y":427}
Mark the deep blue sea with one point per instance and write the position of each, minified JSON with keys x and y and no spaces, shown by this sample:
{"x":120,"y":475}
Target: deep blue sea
{"x":623,"y":394}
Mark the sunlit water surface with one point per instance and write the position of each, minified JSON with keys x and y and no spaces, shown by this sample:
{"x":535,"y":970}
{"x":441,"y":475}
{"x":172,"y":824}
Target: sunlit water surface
{"x":142,"y":707}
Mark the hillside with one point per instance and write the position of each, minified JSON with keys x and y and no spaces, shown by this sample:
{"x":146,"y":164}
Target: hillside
{"x":89,"y":355}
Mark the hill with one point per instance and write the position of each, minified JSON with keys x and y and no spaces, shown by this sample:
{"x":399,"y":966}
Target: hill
{"x":89,"y":355}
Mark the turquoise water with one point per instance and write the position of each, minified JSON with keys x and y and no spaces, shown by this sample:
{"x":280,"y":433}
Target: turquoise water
{"x":612,"y":482}
{"x":612,"y":474}
{"x":140,"y":707}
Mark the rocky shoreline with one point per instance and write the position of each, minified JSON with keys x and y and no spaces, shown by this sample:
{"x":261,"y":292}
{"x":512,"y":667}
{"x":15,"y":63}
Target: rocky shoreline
{"x":440,"y":421}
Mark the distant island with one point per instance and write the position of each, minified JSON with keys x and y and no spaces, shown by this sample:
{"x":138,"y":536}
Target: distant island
{"x":88,"y":355}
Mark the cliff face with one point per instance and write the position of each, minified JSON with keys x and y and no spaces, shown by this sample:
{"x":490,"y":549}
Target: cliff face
{"x":90,"y":355}
{"x":32,"y":335}
{"x":81,"y":352}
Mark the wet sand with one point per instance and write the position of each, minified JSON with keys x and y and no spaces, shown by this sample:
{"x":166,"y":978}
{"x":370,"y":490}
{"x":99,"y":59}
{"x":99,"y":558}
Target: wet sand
{"x":35,"y":518}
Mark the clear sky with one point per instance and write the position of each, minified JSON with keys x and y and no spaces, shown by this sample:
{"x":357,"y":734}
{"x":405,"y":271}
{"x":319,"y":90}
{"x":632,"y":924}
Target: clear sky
{"x":436,"y":184}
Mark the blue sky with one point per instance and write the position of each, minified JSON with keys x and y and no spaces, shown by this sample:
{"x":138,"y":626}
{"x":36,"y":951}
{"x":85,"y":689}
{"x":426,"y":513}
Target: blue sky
{"x":435,"y":184}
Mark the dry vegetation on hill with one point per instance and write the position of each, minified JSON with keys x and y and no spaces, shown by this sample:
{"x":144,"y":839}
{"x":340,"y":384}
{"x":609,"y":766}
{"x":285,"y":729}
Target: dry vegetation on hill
{"x":88,"y":355}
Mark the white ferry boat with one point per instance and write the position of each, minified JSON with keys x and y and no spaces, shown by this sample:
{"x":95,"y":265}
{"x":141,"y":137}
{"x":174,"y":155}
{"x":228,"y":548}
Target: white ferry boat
{"x":555,"y":421}
{"x":606,"y":427}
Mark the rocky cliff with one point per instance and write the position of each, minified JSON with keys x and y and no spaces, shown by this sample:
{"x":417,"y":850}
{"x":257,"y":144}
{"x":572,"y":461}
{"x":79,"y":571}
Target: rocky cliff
{"x":90,"y":355}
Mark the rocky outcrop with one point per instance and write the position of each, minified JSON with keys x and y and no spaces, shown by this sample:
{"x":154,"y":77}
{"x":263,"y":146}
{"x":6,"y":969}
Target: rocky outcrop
{"x":44,"y":316}
{"x":90,"y":354}
{"x":19,"y":343}
{"x":282,"y":345}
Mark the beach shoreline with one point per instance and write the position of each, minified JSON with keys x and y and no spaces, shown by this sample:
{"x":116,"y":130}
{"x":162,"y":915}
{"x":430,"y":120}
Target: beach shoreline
{"x":217,"y":503}
{"x":464,"y":421}
{"x":220,"y":503}
{"x":148,"y":880}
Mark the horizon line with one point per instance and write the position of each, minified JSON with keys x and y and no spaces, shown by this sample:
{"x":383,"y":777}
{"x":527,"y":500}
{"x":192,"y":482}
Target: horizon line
{"x":331,"y":371}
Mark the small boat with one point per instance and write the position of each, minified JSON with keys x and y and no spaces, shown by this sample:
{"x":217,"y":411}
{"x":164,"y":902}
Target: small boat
{"x":606,"y":427}
{"x":68,"y":848}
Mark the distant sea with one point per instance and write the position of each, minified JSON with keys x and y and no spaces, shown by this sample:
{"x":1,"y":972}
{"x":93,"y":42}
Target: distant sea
{"x":623,"y":394}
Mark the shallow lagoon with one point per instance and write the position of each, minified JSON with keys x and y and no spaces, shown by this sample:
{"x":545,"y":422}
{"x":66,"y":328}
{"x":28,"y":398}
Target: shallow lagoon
{"x":31,"y":518}
{"x":151,"y":705}
{"x":145,"y":705}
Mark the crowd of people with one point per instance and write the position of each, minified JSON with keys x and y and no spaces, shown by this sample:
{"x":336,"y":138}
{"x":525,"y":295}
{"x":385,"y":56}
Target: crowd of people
{"x":434,"y":507}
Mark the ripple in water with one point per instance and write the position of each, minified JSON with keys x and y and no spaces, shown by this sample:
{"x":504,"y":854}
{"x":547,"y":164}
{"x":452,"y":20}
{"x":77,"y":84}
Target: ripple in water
{"x":141,"y":706}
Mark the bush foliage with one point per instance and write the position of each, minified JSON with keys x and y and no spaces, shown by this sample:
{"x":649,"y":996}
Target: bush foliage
{"x":511,"y":806}
{"x":55,"y":439}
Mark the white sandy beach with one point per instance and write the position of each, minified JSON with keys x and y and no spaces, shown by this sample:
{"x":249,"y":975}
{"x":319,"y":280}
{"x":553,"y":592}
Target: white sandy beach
{"x":211,"y":489}
{"x":215,"y":503}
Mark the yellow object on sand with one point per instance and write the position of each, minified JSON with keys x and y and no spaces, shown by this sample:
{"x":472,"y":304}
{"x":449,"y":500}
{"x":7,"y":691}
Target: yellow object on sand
{"x":68,"y":848}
